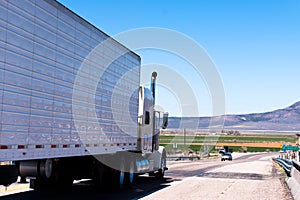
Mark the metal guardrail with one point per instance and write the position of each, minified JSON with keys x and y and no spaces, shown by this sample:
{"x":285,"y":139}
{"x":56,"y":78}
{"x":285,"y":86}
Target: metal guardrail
{"x":183,"y":157}
{"x":285,"y":164}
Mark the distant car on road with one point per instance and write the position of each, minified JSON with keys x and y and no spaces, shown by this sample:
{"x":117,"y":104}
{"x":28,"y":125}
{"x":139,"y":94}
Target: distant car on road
{"x":226,"y":156}
{"x":222,"y":151}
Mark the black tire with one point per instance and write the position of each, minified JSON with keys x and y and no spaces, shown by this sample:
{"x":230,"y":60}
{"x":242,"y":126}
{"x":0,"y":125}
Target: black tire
{"x":118,"y":177}
{"x":99,"y":180}
{"x":61,"y":178}
{"x":151,"y":174}
{"x":161,"y":172}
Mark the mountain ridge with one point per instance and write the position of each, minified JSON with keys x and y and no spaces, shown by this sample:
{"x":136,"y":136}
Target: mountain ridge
{"x":285,"y":119}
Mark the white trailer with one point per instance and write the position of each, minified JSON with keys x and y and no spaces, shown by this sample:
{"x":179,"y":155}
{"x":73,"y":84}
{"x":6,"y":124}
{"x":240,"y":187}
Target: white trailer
{"x":71,"y":105}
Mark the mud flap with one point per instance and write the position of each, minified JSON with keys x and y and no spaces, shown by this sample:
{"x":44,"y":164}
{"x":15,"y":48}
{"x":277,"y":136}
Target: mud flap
{"x":8,"y":174}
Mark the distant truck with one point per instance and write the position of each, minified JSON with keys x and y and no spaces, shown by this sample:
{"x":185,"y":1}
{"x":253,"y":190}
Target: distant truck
{"x":55,"y":126}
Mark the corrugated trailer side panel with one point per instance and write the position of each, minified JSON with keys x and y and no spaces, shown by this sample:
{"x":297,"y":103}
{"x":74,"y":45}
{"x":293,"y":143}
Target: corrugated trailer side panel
{"x":42,"y":48}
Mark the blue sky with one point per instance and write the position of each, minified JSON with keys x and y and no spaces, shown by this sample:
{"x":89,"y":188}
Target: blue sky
{"x":255,"y":45}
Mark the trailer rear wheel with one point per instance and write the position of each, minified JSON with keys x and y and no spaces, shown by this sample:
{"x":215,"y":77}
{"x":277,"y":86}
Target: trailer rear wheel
{"x":59,"y":178}
{"x":114,"y":179}
{"x":99,"y":174}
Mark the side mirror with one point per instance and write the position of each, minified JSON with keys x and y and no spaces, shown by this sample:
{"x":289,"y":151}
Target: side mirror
{"x":165,"y":120}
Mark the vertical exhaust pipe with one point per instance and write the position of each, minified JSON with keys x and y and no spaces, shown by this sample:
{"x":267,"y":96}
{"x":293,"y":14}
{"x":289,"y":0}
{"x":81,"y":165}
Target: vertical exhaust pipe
{"x":153,"y":82}
{"x":155,"y":136}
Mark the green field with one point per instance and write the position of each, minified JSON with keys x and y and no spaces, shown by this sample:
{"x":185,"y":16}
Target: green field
{"x":229,"y":139}
{"x":195,"y":143}
{"x":199,"y":148}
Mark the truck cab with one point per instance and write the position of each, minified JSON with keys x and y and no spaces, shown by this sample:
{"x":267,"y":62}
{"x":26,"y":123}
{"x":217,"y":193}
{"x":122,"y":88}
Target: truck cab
{"x":150,"y":121}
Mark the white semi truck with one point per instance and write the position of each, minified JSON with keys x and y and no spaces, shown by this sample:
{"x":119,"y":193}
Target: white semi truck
{"x":71,"y":104}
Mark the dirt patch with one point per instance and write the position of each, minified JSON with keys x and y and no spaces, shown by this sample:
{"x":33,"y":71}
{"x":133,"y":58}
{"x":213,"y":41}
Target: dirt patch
{"x":253,"y":144}
{"x":278,"y":172}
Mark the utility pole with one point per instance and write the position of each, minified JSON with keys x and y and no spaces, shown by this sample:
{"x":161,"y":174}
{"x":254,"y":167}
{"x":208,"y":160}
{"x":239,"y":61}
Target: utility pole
{"x":184,"y":136}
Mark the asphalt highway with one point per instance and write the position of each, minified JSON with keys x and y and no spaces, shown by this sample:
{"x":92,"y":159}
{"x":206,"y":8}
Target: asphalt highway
{"x":248,"y":176}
